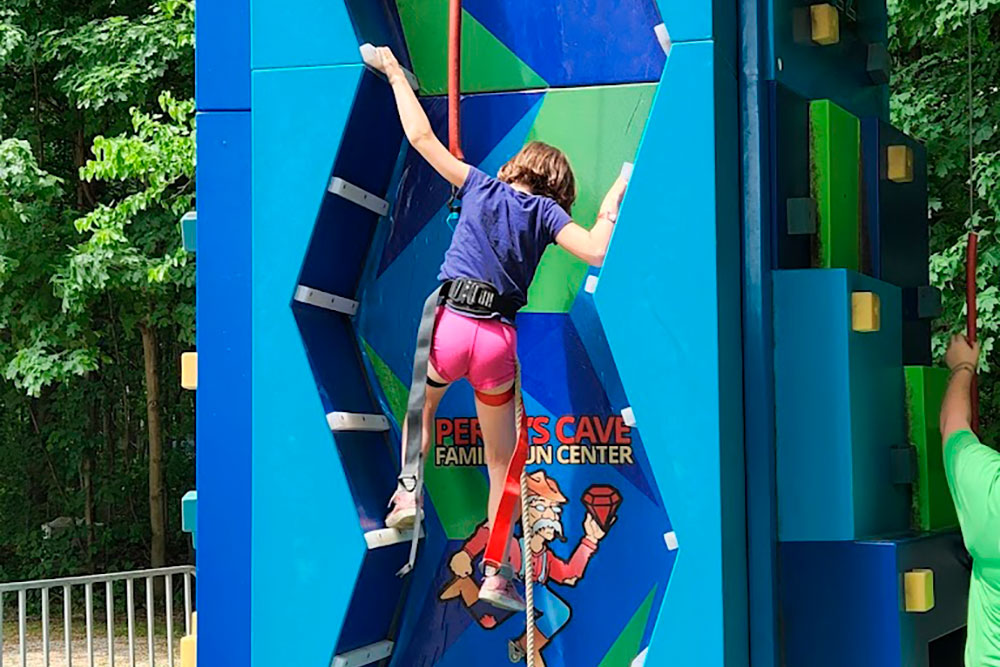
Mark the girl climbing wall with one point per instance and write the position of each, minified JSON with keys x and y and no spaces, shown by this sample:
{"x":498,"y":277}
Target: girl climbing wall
{"x":505,"y":225}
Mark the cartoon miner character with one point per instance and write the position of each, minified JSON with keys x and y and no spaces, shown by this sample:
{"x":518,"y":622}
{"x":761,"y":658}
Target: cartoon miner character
{"x":545,"y":504}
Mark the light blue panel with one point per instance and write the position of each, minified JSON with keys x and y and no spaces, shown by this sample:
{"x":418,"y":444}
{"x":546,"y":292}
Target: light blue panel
{"x":840,"y":401}
{"x":699,"y":21}
{"x":307,"y":545}
{"x":303,"y":34}
{"x":669,"y":300}
{"x":811,"y":321}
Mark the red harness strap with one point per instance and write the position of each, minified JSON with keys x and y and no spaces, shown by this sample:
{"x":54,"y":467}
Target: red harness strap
{"x":503,"y":523}
{"x":496,"y":400}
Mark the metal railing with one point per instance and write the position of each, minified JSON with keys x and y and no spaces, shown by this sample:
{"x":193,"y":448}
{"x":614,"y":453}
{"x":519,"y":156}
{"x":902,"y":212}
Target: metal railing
{"x":26,"y":589}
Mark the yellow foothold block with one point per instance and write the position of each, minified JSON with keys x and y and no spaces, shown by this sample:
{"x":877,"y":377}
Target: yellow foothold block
{"x":918,"y":590}
{"x":900,"y":160}
{"x":189,"y":370}
{"x":865,"y":312}
{"x":825,"y":24}
{"x":189,"y":651}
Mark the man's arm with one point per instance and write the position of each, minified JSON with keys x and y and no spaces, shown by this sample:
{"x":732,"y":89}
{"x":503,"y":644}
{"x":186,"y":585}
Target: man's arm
{"x":591,"y":245}
{"x":415,"y":124}
{"x":956,"y":409}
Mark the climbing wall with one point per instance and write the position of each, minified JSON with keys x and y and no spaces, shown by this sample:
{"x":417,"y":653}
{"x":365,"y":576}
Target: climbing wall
{"x":871,"y":567}
{"x":321,"y":236}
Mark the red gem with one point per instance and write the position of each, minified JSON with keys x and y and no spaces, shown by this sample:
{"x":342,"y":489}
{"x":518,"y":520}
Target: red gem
{"x":602,"y":502}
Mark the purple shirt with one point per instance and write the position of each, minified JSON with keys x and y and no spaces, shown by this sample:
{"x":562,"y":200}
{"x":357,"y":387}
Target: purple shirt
{"x":501,"y":235}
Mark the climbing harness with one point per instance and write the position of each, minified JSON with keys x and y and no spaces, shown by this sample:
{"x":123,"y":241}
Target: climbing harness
{"x":477,"y":299}
{"x":411,"y":477}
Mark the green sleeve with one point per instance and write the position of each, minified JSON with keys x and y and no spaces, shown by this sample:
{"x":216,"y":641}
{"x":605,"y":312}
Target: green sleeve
{"x":973,"y":471}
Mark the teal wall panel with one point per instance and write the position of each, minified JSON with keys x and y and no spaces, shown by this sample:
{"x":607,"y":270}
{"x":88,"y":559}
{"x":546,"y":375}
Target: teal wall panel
{"x":840,"y":409}
{"x":669,"y":299}
{"x":302,"y":34}
{"x":307,"y":545}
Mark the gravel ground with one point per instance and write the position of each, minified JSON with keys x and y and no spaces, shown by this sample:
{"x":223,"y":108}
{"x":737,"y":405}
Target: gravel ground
{"x":57,"y":650}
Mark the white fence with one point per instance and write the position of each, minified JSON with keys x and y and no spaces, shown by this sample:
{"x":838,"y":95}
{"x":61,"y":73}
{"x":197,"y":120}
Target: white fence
{"x":30,"y":591}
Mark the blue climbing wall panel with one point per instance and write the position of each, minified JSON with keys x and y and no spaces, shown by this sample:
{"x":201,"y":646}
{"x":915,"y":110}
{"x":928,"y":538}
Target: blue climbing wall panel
{"x":223,"y":397}
{"x":860,"y":584}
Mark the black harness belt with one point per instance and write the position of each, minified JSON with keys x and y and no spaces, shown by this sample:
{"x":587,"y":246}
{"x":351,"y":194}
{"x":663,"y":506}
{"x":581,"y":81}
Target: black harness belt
{"x":478,"y":299}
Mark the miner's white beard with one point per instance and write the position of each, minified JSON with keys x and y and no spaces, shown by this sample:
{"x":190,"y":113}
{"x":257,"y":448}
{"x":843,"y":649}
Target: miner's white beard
{"x":556,"y":526}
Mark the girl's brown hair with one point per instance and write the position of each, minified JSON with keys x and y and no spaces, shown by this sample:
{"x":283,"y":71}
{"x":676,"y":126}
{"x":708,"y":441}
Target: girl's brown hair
{"x":545,"y":170}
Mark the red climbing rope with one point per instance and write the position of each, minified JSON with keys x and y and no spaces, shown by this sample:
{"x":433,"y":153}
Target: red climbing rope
{"x":454,"y":77}
{"x":971,"y":315}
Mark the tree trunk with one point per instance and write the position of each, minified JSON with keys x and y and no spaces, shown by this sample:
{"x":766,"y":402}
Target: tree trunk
{"x":88,"y":506}
{"x":158,"y":547}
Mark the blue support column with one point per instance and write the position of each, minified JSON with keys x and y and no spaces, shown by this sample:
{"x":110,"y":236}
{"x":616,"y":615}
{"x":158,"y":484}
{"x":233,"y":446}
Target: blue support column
{"x":223,"y":398}
{"x":758,"y":340}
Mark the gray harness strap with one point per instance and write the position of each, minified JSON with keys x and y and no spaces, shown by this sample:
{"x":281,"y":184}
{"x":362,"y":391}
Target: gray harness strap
{"x":411,"y":478}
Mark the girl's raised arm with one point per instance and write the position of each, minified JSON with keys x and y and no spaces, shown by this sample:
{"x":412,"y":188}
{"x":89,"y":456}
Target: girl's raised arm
{"x":415,"y":124}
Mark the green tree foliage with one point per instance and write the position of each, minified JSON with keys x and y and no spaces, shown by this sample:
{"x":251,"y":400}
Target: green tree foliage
{"x":96,"y":295}
{"x":930,"y":42}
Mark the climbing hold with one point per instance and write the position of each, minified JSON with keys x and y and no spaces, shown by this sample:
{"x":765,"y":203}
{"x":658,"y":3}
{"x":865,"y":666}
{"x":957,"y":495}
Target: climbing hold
{"x":663,"y":37}
{"x":879,"y":63}
{"x":865,"y":312}
{"x":189,"y":644}
{"x":900,"y":164}
{"x":626,"y":173}
{"x":918,"y":587}
{"x":370,"y":57}
{"x":353,"y":193}
{"x":671,"y":540}
{"x":189,"y":516}
{"x":801,"y":215}
{"x":189,"y":231}
{"x":189,"y":370}
{"x":921,"y":303}
{"x":904,"y":464}
{"x":825,"y":24}
{"x":628,"y":416}
{"x":366,"y":655}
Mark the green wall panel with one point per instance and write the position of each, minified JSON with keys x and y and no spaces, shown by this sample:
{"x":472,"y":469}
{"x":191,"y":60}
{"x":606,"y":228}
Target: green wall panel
{"x":933,"y":506}
{"x":598,"y":128}
{"x":835,"y":160}
{"x":487,"y":64}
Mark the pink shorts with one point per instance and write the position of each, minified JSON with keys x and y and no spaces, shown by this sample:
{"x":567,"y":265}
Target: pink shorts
{"x":484,"y":351}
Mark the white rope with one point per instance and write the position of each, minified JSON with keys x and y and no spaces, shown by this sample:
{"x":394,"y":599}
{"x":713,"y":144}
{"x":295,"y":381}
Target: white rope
{"x":529,"y":574}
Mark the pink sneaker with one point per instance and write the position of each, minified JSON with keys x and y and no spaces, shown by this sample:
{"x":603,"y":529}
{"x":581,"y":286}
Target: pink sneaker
{"x":404,"y":510}
{"x":499,"y":591}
